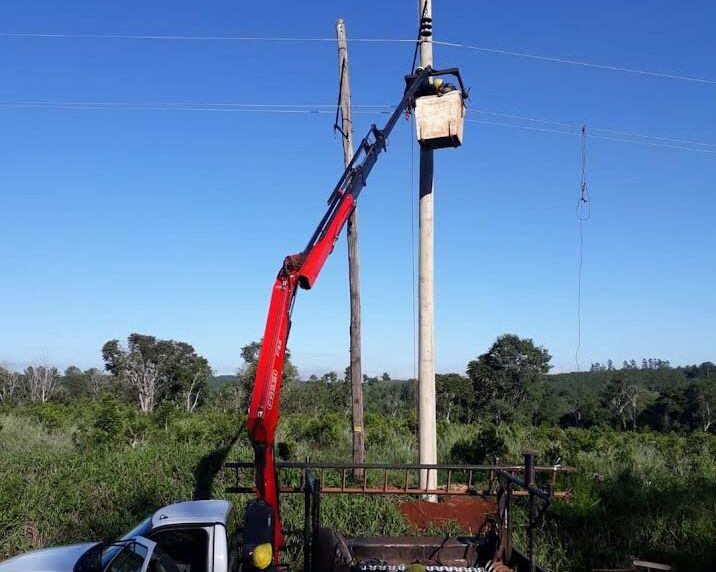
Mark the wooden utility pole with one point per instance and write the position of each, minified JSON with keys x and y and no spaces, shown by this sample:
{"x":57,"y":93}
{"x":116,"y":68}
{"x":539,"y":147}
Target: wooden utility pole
{"x":427,"y":429}
{"x":353,"y":263}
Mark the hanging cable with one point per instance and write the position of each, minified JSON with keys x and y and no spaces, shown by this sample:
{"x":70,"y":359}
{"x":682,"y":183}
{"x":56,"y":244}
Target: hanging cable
{"x":339,"y":110}
{"x":584,"y":213}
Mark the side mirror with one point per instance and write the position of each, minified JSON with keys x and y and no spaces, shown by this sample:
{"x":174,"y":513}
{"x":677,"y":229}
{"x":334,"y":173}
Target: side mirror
{"x":133,"y":555}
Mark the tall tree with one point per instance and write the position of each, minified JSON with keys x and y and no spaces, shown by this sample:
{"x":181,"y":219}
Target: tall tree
{"x":187,"y":373}
{"x":626,"y":401}
{"x":701,"y":404}
{"x":157,"y":370}
{"x":74,"y":383}
{"x":247,"y":372}
{"x":667,"y":411}
{"x":455,"y":397}
{"x":138,"y":366}
{"x":41,"y":381}
{"x":509,"y":374}
{"x":9,"y":384}
{"x":96,"y":381}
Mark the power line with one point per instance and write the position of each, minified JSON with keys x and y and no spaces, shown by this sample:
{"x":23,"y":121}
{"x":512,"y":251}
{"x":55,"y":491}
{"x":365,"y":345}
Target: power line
{"x":194,"y":38}
{"x":318,"y":108}
{"x":579,"y":63}
{"x":495,"y":51}
{"x":188,"y":103}
{"x":619,"y":139}
{"x":577,"y":127}
{"x":328,"y":109}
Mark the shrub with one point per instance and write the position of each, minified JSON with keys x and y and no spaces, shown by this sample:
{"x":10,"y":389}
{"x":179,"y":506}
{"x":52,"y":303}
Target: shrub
{"x":485,"y":448}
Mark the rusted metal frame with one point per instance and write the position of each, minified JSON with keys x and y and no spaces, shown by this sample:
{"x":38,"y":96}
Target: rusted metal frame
{"x":504,"y":472}
{"x":405,"y":491}
{"x":401,"y":491}
{"x":530,"y":489}
{"x":391,"y":466}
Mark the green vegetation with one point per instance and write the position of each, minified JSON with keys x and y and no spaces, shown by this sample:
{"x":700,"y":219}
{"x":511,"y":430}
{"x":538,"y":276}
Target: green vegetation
{"x":81,"y":460}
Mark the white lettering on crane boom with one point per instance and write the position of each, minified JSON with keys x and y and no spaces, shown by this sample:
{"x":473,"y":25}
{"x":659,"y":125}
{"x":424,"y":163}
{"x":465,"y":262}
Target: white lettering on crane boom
{"x":272,"y":389}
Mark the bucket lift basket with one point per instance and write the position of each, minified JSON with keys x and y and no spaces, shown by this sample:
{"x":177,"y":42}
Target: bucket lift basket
{"x":440,"y":117}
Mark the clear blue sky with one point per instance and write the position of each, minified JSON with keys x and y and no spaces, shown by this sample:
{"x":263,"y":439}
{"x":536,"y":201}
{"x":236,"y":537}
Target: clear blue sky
{"x":174,"y":223}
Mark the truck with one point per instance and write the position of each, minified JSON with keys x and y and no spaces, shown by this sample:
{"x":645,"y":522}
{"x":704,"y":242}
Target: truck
{"x":190,"y":536}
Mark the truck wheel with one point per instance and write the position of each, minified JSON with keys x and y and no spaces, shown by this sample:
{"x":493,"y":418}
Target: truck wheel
{"x":330,"y":552}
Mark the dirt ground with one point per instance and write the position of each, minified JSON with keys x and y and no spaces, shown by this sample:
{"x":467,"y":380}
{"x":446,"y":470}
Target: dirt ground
{"x":469,"y":512}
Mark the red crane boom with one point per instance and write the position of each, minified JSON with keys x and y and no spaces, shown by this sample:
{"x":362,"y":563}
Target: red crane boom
{"x":301,"y":270}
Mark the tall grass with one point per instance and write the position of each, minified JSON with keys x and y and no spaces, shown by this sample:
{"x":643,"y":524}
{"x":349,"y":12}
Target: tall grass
{"x":93,"y":471}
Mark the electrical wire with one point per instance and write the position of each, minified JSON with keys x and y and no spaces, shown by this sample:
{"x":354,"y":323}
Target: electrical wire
{"x":495,"y":51}
{"x":308,"y":107}
{"x":591,"y":136}
{"x":577,"y":127}
{"x":329,"y":109}
{"x":573,"y":62}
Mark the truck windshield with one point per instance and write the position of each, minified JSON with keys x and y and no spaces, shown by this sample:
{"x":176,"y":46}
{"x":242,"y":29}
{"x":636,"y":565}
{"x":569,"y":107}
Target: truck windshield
{"x":142,"y":529}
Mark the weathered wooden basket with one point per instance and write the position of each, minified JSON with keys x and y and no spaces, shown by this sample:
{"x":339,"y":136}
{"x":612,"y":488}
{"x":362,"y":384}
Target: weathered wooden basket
{"x":439,"y":120}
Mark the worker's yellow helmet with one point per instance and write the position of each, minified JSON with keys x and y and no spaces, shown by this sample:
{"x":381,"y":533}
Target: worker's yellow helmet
{"x":261,"y":556}
{"x":437,"y":82}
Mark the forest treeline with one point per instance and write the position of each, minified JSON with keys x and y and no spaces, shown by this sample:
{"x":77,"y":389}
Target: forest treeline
{"x":87,"y":454}
{"x":510,"y":382}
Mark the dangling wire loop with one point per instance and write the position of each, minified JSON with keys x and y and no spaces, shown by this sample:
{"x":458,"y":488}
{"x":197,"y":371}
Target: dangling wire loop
{"x":584,"y":213}
{"x":584,"y":205}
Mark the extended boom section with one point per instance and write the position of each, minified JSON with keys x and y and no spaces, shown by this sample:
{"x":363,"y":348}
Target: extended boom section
{"x":302,"y":270}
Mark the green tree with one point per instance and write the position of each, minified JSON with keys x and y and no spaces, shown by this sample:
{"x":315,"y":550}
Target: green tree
{"x":157,"y":370}
{"x":9,"y":384}
{"x":701,"y":404}
{"x":508,"y":379}
{"x":187,"y":373}
{"x":247,"y":372}
{"x":330,"y":377}
{"x":40,"y":382}
{"x":626,"y":401}
{"x":666,"y":412}
{"x":74,"y":383}
{"x":455,"y":397}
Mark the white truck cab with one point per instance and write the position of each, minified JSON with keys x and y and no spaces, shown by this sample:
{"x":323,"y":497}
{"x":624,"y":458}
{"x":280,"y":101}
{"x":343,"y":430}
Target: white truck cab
{"x":192,"y":536}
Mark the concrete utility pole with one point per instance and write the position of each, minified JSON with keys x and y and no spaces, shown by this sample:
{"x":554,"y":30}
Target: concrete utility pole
{"x":353,"y":263}
{"x":427,"y":431}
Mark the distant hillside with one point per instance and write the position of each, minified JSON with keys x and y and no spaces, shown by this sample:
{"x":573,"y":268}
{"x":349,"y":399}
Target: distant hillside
{"x":656,"y":378}
{"x":218,"y":381}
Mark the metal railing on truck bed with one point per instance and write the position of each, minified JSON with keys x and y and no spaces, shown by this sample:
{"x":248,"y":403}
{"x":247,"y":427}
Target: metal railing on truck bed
{"x":312,"y":479}
{"x":395,"y":479}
